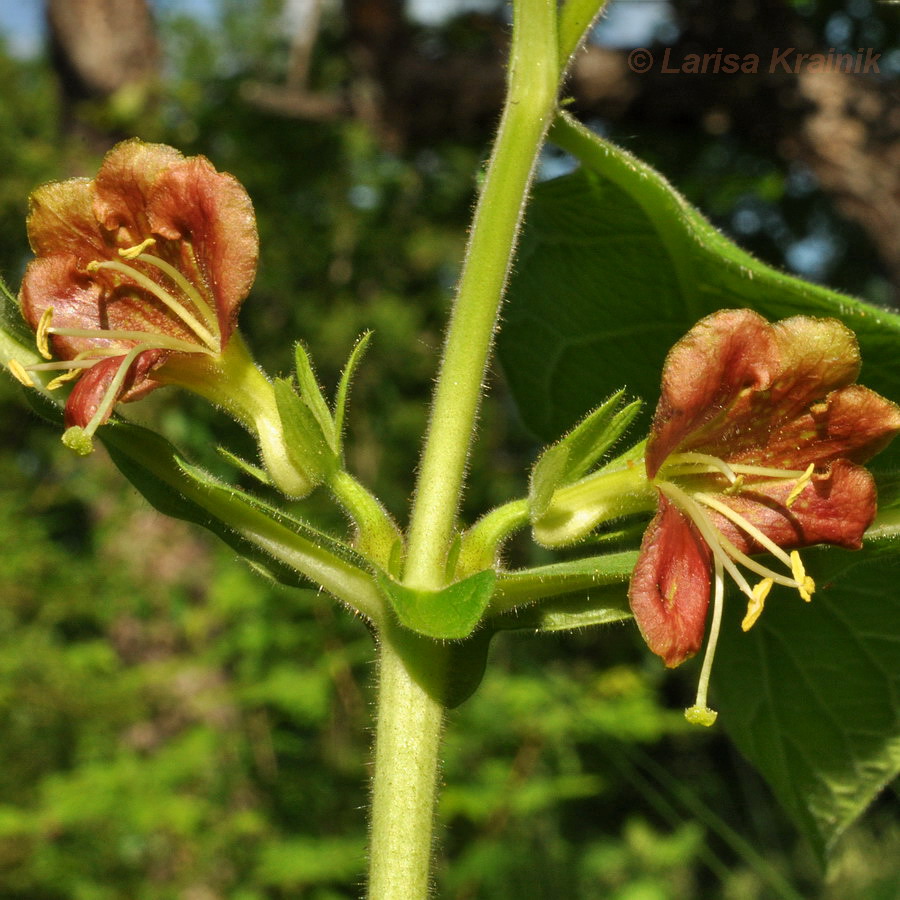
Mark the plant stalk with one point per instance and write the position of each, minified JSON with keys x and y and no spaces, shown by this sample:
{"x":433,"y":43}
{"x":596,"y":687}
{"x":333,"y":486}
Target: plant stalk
{"x":530,"y":103}
{"x":407,"y":745}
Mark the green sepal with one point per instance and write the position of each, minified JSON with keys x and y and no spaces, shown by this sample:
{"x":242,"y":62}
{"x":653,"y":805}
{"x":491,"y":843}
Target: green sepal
{"x":260,"y":474}
{"x":571,"y":594}
{"x":569,"y":612}
{"x":451,"y":613}
{"x":343,"y":391}
{"x":312,"y":396}
{"x":575,"y":454}
{"x":11,"y":320}
{"x":306,"y":444}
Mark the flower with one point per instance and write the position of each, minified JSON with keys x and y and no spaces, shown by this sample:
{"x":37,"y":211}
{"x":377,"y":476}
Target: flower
{"x":756,"y":446}
{"x":145,"y":264}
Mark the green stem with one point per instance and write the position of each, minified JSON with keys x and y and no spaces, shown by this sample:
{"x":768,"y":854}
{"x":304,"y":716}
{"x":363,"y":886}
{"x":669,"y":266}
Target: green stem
{"x":410,"y":722}
{"x":482,"y":542}
{"x":533,"y":81}
{"x":378,"y":537}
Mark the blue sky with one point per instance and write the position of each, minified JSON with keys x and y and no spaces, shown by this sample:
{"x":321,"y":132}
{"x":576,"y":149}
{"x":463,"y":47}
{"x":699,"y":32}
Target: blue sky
{"x":626,"y":24}
{"x":22,"y":21}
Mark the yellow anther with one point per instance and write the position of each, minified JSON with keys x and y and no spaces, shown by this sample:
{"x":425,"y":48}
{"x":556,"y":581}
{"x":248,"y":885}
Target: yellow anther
{"x":19,"y":373}
{"x":805,"y":585}
{"x":60,"y":380}
{"x":736,"y":486}
{"x":700,"y":715}
{"x":137,"y":249}
{"x":93,"y":265}
{"x":43,"y":331}
{"x":757,"y":601}
{"x":802,"y":482}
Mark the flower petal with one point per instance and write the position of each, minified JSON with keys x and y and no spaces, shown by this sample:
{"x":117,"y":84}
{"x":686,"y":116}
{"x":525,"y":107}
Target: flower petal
{"x":721,"y":359}
{"x":90,"y":390}
{"x":83,"y":302}
{"x":834,"y":508}
{"x":211,"y":216}
{"x":756,"y":380}
{"x":61,"y":220}
{"x":853,"y":423}
{"x":669,"y":591}
{"x":123,"y":185}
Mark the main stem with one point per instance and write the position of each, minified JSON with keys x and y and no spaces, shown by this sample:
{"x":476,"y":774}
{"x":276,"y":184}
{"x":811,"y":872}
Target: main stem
{"x":533,"y":83}
{"x":410,"y":722}
{"x":412,"y":672}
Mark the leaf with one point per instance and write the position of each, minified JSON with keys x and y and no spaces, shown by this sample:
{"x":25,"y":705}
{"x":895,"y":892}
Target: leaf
{"x":449,"y":614}
{"x":285,"y":548}
{"x":615,"y":266}
{"x":811,"y":694}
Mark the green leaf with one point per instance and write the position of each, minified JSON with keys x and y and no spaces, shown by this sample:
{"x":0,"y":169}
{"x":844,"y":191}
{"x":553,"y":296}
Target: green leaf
{"x":615,"y":266}
{"x":449,"y":614}
{"x":285,"y":548}
{"x":811,"y":694}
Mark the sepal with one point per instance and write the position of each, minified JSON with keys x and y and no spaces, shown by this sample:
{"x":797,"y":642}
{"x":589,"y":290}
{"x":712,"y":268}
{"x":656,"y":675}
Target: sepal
{"x":574,"y":455}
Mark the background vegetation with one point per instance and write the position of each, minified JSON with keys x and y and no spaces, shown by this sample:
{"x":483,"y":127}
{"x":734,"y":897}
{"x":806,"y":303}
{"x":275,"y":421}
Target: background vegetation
{"x":174,"y":726}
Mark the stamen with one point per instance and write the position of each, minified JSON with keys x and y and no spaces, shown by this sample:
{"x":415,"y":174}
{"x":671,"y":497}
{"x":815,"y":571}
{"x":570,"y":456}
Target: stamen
{"x":208,"y":313}
{"x":42,"y":330}
{"x":745,"y":525}
{"x":137,"y":249}
{"x":18,"y":371}
{"x":805,"y":584}
{"x":700,"y":713}
{"x":152,"y":287}
{"x":766,"y":471}
{"x":703,"y":459}
{"x":60,"y":380}
{"x":715,"y":540}
{"x":757,"y":601}
{"x":109,"y":398}
{"x":160,"y":341}
{"x":798,"y":488}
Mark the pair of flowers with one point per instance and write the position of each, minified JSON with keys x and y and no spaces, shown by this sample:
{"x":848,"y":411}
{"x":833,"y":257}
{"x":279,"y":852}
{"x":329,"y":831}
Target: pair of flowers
{"x":756,"y":445}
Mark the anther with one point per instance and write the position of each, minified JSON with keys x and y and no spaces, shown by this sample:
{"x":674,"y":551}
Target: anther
{"x":19,"y":372}
{"x":60,"y":380}
{"x":757,"y":601}
{"x":805,"y":585}
{"x":798,"y":488}
{"x":43,"y":331}
{"x":137,"y":249}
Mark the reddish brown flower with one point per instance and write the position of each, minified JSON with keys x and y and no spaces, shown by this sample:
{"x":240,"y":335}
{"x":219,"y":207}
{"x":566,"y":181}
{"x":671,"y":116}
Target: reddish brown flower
{"x":756,"y":446}
{"x":149,"y":260}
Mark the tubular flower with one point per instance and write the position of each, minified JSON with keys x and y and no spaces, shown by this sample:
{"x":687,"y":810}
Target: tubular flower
{"x":145,"y":264}
{"x":755,"y":447}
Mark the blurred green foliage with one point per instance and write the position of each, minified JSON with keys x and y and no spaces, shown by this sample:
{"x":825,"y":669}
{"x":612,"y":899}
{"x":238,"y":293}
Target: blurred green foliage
{"x":174,"y":726}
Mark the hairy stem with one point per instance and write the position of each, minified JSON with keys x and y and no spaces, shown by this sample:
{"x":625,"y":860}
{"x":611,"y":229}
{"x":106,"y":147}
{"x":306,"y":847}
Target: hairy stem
{"x":533,"y":79}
